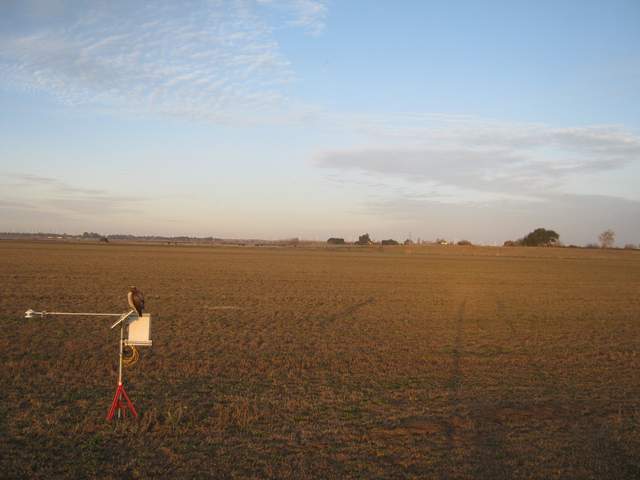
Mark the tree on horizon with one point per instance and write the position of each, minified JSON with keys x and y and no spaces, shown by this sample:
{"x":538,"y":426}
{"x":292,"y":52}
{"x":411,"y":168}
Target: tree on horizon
{"x":541,"y":237}
{"x":607,"y":238}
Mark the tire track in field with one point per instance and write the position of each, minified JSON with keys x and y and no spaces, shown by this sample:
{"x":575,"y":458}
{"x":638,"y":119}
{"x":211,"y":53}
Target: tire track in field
{"x":467,"y":430}
{"x":455,"y":379}
{"x":491,"y":452}
{"x":500,"y":310}
{"x":453,"y":384}
{"x":490,"y":436}
{"x":348,"y":311}
{"x":519,"y":342}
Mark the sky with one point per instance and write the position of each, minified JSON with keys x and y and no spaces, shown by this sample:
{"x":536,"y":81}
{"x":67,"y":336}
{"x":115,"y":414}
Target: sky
{"x":321,"y":118}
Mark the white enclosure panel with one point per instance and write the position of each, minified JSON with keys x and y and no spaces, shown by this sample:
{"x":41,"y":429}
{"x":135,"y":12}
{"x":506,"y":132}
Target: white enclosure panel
{"x":139,"y":330}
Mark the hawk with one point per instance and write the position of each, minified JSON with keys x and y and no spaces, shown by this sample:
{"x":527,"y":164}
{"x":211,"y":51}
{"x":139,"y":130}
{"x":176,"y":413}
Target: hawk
{"x":136,"y":300}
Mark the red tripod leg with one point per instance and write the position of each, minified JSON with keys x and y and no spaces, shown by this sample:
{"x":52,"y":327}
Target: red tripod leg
{"x":116,"y":402}
{"x":129,"y":404}
{"x":119,"y":403}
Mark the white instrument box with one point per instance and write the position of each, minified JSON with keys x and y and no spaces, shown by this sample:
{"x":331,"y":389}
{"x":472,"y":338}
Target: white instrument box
{"x":139,"y":331}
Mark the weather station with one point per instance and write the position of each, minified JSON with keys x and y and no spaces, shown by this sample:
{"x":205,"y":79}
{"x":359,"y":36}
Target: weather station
{"x":135,"y":331}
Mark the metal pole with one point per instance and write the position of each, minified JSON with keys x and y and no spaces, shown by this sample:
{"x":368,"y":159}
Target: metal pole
{"x":121,"y":353}
{"x":120,"y":364}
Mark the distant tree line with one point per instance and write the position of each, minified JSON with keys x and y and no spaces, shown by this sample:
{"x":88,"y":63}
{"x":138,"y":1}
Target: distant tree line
{"x":365,"y":239}
{"x":540,"y":237}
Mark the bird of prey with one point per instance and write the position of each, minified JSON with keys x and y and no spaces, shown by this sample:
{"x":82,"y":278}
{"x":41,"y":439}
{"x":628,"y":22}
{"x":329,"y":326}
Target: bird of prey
{"x":136,"y":300}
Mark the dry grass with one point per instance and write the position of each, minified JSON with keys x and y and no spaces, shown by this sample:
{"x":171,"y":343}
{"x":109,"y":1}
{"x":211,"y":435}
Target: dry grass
{"x":436,"y":362}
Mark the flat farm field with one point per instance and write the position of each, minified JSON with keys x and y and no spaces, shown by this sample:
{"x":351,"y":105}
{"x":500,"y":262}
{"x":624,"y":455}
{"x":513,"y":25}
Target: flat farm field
{"x":293,"y":363}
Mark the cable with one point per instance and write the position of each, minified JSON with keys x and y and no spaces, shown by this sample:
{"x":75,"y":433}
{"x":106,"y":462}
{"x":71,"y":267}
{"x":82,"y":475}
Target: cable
{"x":128,"y":360}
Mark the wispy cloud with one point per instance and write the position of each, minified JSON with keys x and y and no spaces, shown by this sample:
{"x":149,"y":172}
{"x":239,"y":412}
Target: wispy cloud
{"x":28,"y":180}
{"x":308,"y":14}
{"x":48,"y":194}
{"x":15,"y":205}
{"x":203,"y":59}
{"x":489,"y":157}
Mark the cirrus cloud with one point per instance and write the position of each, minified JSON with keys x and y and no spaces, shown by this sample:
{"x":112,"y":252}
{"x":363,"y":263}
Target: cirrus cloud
{"x":214,"y":60}
{"x":489,"y":157}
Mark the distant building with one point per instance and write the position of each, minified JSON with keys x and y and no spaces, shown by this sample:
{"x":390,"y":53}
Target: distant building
{"x":364,"y":240}
{"x":336,"y":241}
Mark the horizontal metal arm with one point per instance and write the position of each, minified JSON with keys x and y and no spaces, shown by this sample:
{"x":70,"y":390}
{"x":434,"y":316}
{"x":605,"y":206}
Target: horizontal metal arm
{"x":30,"y":313}
{"x":84,"y":314}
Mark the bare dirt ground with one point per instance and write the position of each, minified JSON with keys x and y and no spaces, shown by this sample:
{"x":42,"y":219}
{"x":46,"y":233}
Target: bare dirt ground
{"x":430,"y":362}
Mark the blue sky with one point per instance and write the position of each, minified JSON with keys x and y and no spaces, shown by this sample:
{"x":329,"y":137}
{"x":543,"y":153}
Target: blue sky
{"x":309,"y":118}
